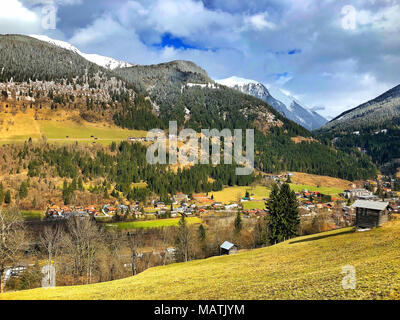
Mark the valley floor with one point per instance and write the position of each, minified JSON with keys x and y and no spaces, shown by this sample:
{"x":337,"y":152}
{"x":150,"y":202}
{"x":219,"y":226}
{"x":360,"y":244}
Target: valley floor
{"x":308,"y":267}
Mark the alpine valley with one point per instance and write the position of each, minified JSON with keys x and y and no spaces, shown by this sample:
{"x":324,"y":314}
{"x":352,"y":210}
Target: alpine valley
{"x":172,"y":150}
{"x":47,"y":84}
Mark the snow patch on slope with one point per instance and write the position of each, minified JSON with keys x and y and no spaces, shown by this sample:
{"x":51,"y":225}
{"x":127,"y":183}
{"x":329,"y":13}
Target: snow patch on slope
{"x":233,"y":81}
{"x":102,"y":61}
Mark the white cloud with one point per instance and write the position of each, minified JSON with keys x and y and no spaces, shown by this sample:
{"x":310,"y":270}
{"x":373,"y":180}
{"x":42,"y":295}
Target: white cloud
{"x":259,"y":22}
{"x":100,"y":30}
{"x":15,"y":18}
{"x":385,"y":19}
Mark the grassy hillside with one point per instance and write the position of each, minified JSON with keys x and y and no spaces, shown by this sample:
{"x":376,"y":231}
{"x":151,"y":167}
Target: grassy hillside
{"x":317,"y":180}
{"x":325,"y":190}
{"x":21,"y":127}
{"x":304,"y":268}
{"x":233,"y":194}
{"x":152,"y":223}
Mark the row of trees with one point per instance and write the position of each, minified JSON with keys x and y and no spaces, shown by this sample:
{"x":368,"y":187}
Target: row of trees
{"x":123,"y":165}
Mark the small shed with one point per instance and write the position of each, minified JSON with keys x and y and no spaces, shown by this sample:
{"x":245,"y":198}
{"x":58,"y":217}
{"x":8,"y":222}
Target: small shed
{"x":371,"y":214}
{"x":228,"y":248}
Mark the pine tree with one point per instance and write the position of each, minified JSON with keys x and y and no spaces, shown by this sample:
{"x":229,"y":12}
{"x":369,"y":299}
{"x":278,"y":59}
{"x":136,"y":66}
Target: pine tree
{"x":202,"y":234}
{"x":283,"y":218}
{"x":1,"y":193}
{"x":23,"y":190}
{"x":7,"y":197}
{"x":238,"y":223}
{"x":274,"y":217}
{"x":290,"y":210}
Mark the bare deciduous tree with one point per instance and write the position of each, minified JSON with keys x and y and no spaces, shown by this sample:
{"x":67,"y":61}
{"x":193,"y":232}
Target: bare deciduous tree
{"x":51,"y":241}
{"x":83,"y":241}
{"x":12,"y":240}
{"x":183,"y":240}
{"x":134,"y":240}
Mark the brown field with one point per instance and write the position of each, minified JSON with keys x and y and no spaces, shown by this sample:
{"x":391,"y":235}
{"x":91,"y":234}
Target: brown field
{"x":315,"y":180}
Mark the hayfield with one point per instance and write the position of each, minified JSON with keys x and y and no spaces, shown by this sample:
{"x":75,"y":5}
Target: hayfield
{"x":20,"y":127}
{"x":333,"y":191}
{"x":30,"y":215}
{"x":309,"y":267}
{"x":251,"y":205}
{"x":233,"y":194}
{"x":316,"y":180}
{"x":159,"y":223}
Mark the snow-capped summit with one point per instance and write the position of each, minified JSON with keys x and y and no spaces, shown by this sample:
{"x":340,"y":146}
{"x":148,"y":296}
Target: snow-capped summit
{"x":233,"y":81}
{"x":102,"y":61}
{"x":279,"y":99}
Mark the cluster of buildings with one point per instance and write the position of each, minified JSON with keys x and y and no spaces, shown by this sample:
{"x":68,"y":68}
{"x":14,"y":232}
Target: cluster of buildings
{"x":361,"y":193}
{"x":310,"y":200}
{"x":254,"y":212}
{"x":59,"y":213}
{"x":64,"y":212}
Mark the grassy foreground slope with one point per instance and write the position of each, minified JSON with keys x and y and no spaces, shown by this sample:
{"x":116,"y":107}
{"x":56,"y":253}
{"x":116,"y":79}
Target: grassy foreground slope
{"x":304,"y":268}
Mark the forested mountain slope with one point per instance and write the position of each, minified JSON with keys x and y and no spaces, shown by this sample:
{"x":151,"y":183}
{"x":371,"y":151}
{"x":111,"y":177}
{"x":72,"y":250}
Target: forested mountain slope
{"x":47,"y":79}
{"x":23,"y":58}
{"x":381,"y":111}
{"x":373,"y":127}
{"x":184,"y":92}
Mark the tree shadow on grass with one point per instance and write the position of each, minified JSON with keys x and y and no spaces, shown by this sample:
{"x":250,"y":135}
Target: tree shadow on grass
{"x":323,"y":236}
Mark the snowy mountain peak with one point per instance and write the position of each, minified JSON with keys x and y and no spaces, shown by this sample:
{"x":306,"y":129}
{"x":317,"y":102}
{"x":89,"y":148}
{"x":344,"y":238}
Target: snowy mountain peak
{"x":235,"y":81}
{"x":102,"y":61}
{"x":281,"y":100}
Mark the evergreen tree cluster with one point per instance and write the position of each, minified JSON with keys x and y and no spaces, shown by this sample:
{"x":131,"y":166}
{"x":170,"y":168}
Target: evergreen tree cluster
{"x":128,"y":165}
{"x":283,"y":216}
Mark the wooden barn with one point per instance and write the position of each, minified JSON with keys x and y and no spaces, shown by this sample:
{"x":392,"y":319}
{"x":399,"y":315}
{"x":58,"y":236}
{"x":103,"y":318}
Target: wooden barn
{"x":228,"y":248}
{"x":371,"y":214}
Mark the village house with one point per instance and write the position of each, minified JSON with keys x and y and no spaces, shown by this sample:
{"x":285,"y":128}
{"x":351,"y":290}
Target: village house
{"x":180,"y":197}
{"x":217,"y":205}
{"x":358,"y":194}
{"x":202,"y":198}
{"x":371,"y":214}
{"x":231,"y":206}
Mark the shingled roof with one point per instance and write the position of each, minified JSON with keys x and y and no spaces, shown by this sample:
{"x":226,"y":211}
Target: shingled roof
{"x":373,"y":205}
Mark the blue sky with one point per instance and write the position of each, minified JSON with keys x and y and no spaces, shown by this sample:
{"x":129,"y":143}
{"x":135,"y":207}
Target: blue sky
{"x":330,"y":54}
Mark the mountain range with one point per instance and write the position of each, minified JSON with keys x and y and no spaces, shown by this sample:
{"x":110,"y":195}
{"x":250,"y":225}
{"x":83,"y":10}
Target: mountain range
{"x":379,"y":112}
{"x":372,"y":127}
{"x":287,"y":105}
{"x":49,"y":78}
{"x":283,"y":103}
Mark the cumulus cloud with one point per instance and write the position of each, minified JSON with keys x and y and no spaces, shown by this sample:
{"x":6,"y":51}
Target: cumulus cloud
{"x":259,"y":22}
{"x":15,"y":18}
